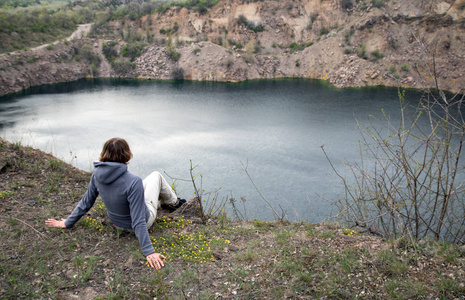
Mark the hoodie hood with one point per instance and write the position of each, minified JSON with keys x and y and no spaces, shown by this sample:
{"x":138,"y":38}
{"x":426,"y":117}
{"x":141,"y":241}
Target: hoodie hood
{"x":107,"y":172}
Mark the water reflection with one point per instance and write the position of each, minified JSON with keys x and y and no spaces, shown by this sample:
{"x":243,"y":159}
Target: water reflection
{"x":276,"y":127}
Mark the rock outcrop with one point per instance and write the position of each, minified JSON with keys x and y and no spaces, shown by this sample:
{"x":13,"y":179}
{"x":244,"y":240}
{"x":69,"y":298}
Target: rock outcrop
{"x":32,"y":68}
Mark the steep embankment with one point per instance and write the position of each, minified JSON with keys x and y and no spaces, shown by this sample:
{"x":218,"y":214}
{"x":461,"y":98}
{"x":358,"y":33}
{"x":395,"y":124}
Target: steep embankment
{"x":350,"y":44}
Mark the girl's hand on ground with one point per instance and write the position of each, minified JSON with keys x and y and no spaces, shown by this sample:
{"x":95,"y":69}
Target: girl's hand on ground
{"x":155,"y":260}
{"x":56,"y":223}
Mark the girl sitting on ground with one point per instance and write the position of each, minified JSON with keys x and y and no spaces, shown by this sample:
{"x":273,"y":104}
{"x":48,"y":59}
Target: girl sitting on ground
{"x":131,"y":202}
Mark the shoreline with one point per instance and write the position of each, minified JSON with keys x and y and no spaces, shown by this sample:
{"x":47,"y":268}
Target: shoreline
{"x":36,"y":89}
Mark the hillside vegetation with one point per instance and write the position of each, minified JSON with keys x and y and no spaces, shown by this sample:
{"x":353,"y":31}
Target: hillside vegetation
{"x":346,"y":42}
{"x":222,"y":259}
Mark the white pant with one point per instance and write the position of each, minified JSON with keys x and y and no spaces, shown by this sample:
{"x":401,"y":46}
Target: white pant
{"x":156,"y":188}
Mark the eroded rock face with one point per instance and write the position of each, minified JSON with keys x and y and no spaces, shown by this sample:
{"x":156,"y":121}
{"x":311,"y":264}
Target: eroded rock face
{"x":394,"y":45}
{"x":32,"y":68}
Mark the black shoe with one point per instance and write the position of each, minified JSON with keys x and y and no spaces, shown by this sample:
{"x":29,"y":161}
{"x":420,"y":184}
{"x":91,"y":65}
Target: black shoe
{"x":175,"y":206}
{"x":180,"y":202}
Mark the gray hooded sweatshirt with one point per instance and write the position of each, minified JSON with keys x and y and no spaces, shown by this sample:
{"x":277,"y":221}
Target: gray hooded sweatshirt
{"x":123,"y":195}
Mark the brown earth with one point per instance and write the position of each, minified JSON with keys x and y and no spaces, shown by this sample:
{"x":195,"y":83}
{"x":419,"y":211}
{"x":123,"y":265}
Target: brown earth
{"x":256,"y":260}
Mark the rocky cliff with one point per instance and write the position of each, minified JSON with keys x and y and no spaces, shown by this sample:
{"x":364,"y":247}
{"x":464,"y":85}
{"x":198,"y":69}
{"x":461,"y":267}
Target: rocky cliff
{"x":55,"y":64}
{"x":348,"y":43}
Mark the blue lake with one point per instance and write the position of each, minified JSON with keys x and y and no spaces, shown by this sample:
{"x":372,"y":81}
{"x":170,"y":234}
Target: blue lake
{"x":274,"y":128}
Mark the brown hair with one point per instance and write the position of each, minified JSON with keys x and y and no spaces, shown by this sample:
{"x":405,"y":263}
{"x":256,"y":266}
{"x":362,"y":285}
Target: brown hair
{"x":116,"y":150}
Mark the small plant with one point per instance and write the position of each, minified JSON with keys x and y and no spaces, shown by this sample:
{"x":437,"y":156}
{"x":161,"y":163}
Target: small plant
{"x":347,"y":38}
{"x":196,"y":50}
{"x":377,"y":55}
{"x":405,"y":67}
{"x":310,"y":25}
{"x":6,"y":194}
{"x":297,"y":63}
{"x":17,"y":61}
{"x":172,"y":53}
{"x":49,"y":47}
{"x":347,"y":4}
{"x":229,"y":63}
{"x":165,"y":222}
{"x":99,"y":208}
{"x":313,"y":17}
{"x":377,"y":3}
{"x":94,"y":69}
{"x":177,"y":73}
{"x":194,"y":247}
{"x":249,"y":255}
{"x":56,"y":164}
{"x":91,"y":223}
{"x":85,"y":267}
{"x":324,"y":30}
{"x":349,"y":232}
{"x":299,"y":47}
{"x":362,"y":51}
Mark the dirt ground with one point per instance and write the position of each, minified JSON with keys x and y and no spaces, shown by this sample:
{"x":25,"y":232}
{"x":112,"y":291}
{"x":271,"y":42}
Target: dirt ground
{"x":248,"y":259}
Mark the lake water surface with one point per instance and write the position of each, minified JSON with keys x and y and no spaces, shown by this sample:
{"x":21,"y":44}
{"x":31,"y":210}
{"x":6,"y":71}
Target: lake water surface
{"x":273,"y":127}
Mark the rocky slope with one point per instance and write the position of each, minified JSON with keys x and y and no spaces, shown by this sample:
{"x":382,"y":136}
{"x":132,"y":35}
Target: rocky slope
{"x":56,"y":64}
{"x":348,"y":43}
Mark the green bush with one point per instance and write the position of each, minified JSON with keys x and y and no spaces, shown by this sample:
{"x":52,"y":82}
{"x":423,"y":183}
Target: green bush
{"x":109,"y":50}
{"x":324,"y":31}
{"x":86,"y":53}
{"x":165,"y":31}
{"x":172,"y":53}
{"x":177,"y":73}
{"x":376,"y":54}
{"x":405,"y":67}
{"x":362,"y":51}
{"x":132,"y":50}
{"x":235,"y":43}
{"x":299,"y":47}
{"x":37,"y":26}
{"x":122,"y":66}
{"x":347,"y":4}
{"x":377,"y":3}
{"x":94,"y":69}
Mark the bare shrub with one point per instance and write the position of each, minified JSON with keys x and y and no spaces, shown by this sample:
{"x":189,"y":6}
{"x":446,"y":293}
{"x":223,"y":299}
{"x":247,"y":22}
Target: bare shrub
{"x":409,"y":181}
{"x":177,"y":73}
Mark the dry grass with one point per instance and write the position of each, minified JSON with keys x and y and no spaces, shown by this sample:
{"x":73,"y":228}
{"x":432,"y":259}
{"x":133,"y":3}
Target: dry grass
{"x":240,"y":260}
